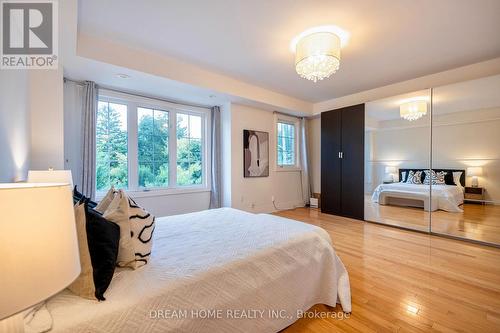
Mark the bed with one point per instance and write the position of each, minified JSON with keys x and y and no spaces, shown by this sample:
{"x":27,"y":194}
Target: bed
{"x":448,"y":197}
{"x":219,"y":270}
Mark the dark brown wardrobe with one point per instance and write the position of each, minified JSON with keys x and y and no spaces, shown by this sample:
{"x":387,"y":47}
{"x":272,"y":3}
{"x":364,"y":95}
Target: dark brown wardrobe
{"x":342,"y":161}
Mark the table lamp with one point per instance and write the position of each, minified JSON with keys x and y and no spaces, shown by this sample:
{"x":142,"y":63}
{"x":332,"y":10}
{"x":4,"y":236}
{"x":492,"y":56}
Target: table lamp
{"x":390,"y":170}
{"x":38,"y":247}
{"x":474,"y":172}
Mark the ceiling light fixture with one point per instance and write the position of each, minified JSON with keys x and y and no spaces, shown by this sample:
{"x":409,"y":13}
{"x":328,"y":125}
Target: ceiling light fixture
{"x":122,"y":76}
{"x":413,"y":110}
{"x":317,"y":52}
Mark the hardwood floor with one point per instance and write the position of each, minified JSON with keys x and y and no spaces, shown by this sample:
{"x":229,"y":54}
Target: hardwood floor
{"x":477,"y":222}
{"x":404,"y":281}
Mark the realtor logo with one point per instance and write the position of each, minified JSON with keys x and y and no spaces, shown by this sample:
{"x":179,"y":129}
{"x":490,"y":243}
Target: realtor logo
{"x":29,"y":34}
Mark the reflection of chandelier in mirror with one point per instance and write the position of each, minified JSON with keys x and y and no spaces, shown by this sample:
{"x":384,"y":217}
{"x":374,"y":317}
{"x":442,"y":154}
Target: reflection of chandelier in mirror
{"x":413,"y":110}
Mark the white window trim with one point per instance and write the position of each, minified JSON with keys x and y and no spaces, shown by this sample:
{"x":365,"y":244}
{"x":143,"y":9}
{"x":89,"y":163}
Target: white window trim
{"x":278,"y":117}
{"x":133,"y":102}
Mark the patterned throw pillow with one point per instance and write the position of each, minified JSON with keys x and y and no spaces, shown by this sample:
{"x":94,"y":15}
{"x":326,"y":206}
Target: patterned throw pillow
{"x":437,"y":178}
{"x":142,"y":226}
{"x":414,"y":177}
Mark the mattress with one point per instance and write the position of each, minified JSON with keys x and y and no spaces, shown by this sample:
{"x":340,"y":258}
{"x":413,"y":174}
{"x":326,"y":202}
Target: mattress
{"x":445,"y":197}
{"x":220,"y":270}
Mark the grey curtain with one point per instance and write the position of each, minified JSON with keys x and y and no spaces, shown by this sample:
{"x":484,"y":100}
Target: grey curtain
{"x":215,"y":193}
{"x":304,"y":162}
{"x":89,"y":111}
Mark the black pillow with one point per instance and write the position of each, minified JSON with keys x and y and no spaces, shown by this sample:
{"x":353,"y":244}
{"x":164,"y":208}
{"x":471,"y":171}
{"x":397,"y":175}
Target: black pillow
{"x":103,"y":238}
{"x":448,"y":178}
{"x":79,"y":197}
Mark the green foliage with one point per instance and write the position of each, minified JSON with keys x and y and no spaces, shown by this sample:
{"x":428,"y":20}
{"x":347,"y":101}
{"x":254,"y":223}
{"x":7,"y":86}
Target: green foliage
{"x":152,"y":139}
{"x":111,"y":149}
{"x":189,"y":161}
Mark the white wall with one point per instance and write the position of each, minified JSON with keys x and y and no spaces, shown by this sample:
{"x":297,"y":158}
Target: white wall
{"x":254,"y":194}
{"x":47,"y":119}
{"x":314,"y":145}
{"x":14,"y":125}
{"x":172,"y":204}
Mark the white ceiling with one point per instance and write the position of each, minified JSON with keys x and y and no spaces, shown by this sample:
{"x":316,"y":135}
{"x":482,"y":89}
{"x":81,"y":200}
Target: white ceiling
{"x":391,"y":40}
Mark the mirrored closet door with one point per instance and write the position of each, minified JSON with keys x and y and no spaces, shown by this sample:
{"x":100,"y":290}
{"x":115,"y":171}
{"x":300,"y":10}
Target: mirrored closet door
{"x":397,"y":159}
{"x":466,"y":160}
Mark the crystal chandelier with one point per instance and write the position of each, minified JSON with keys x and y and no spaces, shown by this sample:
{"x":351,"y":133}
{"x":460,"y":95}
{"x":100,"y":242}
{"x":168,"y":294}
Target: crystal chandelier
{"x":413,"y":110}
{"x":317,"y":55}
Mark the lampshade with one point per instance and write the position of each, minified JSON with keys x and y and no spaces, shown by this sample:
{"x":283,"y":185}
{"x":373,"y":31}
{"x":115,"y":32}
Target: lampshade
{"x":474,"y":171}
{"x":317,"y":55}
{"x":390,"y":169}
{"x":50,"y":176}
{"x":38,"y":244}
{"x":413,"y":110}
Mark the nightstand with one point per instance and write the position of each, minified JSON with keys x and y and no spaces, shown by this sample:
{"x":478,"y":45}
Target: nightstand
{"x":474,"y":194}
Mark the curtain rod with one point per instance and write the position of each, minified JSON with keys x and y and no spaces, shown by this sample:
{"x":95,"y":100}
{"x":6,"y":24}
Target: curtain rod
{"x":141,"y":95}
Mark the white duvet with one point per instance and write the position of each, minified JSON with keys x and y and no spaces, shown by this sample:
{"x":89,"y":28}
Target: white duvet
{"x":447,"y":197}
{"x":219,"y":270}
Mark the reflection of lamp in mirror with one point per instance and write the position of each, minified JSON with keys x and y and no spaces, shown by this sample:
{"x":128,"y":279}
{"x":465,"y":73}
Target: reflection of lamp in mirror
{"x":390,"y":170}
{"x":413,"y":110}
{"x":474,"y":172}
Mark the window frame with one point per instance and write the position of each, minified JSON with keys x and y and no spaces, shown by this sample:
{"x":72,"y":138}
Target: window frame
{"x":134,"y":102}
{"x":281,"y":118}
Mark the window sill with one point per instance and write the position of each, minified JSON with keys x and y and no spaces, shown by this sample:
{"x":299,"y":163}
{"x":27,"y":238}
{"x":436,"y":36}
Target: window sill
{"x":159,"y":192}
{"x":287,"y":169}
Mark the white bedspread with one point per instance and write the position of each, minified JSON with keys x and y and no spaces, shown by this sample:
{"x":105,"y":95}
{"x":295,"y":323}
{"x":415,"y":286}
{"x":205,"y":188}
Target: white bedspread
{"x":222,"y":261}
{"x":448,"y":197}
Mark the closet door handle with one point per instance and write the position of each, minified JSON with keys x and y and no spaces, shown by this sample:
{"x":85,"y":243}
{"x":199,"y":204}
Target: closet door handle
{"x":341,"y":154}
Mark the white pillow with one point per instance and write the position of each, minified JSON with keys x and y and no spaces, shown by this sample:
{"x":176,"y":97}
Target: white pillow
{"x":106,"y":201}
{"x":403,"y":176}
{"x":456,"y":177}
{"x":118,"y":212}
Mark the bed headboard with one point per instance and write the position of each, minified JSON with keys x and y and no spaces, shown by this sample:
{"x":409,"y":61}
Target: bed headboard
{"x":448,"y":179}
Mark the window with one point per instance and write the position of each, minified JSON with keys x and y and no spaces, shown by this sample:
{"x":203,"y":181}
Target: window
{"x":111,"y":146}
{"x":189,"y":161}
{"x":286,"y":144}
{"x":144,"y":144}
{"x":152,"y":139}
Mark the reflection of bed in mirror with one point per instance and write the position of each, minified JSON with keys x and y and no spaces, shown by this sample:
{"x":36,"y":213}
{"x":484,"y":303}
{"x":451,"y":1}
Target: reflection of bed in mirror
{"x":448,"y":196}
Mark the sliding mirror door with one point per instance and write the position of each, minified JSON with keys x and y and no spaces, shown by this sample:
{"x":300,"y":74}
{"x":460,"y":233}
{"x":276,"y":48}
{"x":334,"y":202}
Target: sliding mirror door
{"x":397,"y":157}
{"x":466,"y":160}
